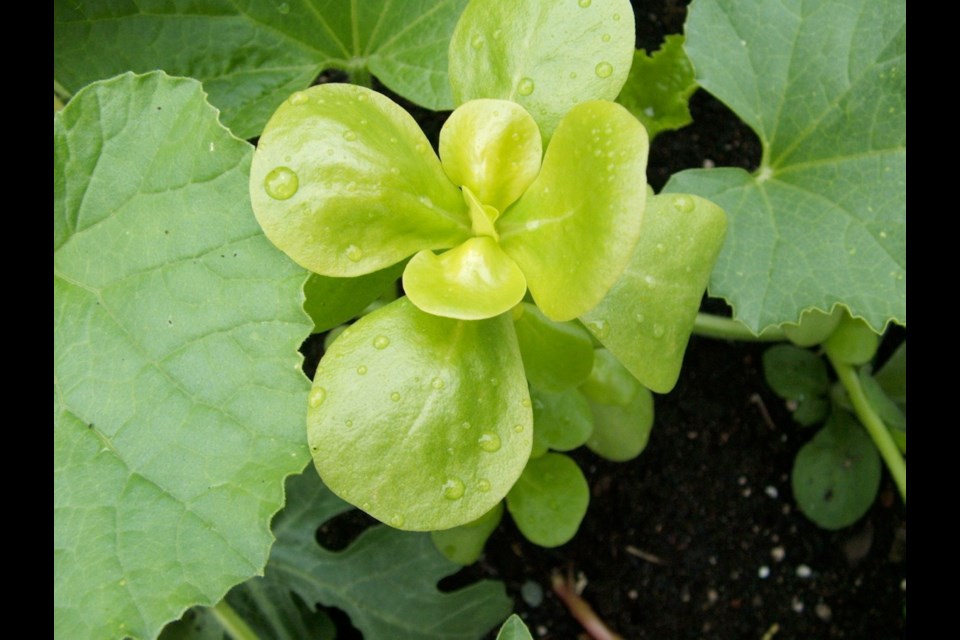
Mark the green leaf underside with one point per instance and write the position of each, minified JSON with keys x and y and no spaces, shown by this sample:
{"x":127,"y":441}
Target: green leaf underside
{"x":561,"y":421}
{"x":621,"y":409}
{"x":332,"y":301}
{"x":464,"y":544}
{"x":345,"y":183}
{"x":174,"y":422}
{"x":549,"y":500}
{"x":824,"y":219}
{"x":659,"y":87}
{"x":814,"y":326}
{"x":267,"y":606}
{"x":836,"y":475}
{"x":423,"y":422}
{"x":492,"y":147}
{"x":852,"y":342}
{"x":556,"y":355}
{"x":575,"y":228}
{"x":381,"y":579}
{"x":514,"y":629}
{"x":473,"y":281}
{"x":885,"y":406}
{"x":546,"y":56}
{"x":892,"y":376}
{"x":794,"y":373}
{"x":647,"y":317}
{"x":251,"y":55}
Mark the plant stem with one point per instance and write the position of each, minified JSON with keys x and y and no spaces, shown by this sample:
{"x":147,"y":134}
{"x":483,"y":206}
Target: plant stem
{"x":580,"y":609}
{"x":873,"y":424}
{"x":232,"y":623}
{"x":713,"y":326}
{"x":360,"y":75}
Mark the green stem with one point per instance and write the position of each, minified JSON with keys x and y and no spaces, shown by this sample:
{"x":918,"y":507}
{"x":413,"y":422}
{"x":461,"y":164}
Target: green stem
{"x":232,"y":623}
{"x":874,"y":425}
{"x":713,"y":326}
{"x":360,"y":75}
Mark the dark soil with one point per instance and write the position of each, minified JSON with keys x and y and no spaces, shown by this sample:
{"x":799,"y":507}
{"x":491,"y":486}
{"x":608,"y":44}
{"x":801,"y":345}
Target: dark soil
{"x":700,"y":537}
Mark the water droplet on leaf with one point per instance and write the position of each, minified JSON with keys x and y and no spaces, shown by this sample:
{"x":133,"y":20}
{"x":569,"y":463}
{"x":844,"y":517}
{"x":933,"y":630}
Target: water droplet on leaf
{"x":584,"y":3}
{"x":395,"y":396}
{"x":281,"y":183}
{"x":437,"y":383}
{"x":525,"y":87}
{"x":605,"y":37}
{"x":518,"y":428}
{"x":658,"y":330}
{"x":684,"y":204}
{"x":465,"y":425}
{"x":283,"y":8}
{"x":604,"y":70}
{"x":477,"y":42}
{"x":397,"y":520}
{"x":381,"y":342}
{"x":599,"y":328}
{"x":354,"y":253}
{"x":362,"y":369}
{"x":453,"y":488}
{"x":483,"y":485}
{"x":299,"y":98}
{"x":349,"y":135}
{"x":489,"y":442}
{"x":317,"y":396}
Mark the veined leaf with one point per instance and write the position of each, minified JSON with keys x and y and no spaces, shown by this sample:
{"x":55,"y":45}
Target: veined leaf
{"x":251,"y":54}
{"x":423,"y":422}
{"x":659,"y":87}
{"x":178,"y":397}
{"x":547,"y":56}
{"x":514,"y":629}
{"x":824,"y":218}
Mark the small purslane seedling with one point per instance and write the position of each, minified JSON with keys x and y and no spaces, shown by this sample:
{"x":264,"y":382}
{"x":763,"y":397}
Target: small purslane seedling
{"x":421,"y":411}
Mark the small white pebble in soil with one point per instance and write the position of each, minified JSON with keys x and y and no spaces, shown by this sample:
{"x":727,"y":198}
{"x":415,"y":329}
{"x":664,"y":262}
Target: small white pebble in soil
{"x":542,"y":630}
{"x":797,"y":605}
{"x":532,"y":593}
{"x":903,"y":585}
{"x":712,"y":596}
{"x":771,"y":491}
{"x":763,"y":572}
{"x":742,"y":480}
{"x":746,"y":492}
{"x":712,"y":560}
{"x":778,"y":554}
{"x":823,"y":612}
{"x":803,"y":571}
{"x":709,"y":164}
{"x":632,"y":594}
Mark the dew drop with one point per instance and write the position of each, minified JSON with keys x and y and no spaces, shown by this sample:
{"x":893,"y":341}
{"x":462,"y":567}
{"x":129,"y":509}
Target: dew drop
{"x":354,"y":253}
{"x":651,"y":281}
{"x":281,"y":183}
{"x":283,"y":8}
{"x":349,"y":423}
{"x":525,"y":87}
{"x":658,"y":330}
{"x":518,"y":428}
{"x":317,"y":396}
{"x":489,"y":442}
{"x":483,"y":485}
{"x":573,"y":75}
{"x":427,"y":202}
{"x":365,"y":506}
{"x":397,"y":520}
{"x":349,"y":135}
{"x":362,"y":370}
{"x":584,"y":3}
{"x":497,"y":35}
{"x":661,"y":248}
{"x":599,"y":328}
{"x":465,"y":426}
{"x":453,"y":488}
{"x":381,"y":342}
{"x":616,"y":17}
{"x":525,"y":402}
{"x":420,"y":147}
{"x":362,"y":97}
{"x":683,"y":204}
{"x":604,"y":70}
{"x":477,"y":42}
{"x":395,"y":396}
{"x":437,"y":383}
{"x":299,"y":98}
{"x":605,"y":37}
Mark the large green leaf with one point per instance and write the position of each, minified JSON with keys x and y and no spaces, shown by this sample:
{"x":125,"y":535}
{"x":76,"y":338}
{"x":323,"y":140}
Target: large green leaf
{"x":386,"y":581}
{"x":547,"y":56}
{"x":178,"y":400}
{"x":823,"y":220}
{"x":252,"y":54}
{"x":647,"y":317}
{"x":574,"y":229}
{"x":423,"y":422}
{"x":556,"y":355}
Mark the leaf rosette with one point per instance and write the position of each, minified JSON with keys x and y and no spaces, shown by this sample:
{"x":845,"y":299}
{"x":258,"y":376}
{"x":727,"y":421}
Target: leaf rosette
{"x":420,"y":412}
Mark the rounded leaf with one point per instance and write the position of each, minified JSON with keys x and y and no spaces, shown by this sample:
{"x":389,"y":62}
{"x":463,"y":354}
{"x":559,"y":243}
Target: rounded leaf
{"x":549,"y":500}
{"x":556,"y":355}
{"x":620,"y":432}
{"x":546,"y":56}
{"x":464,"y":544}
{"x":574,"y":230}
{"x":344,"y":182}
{"x":814,"y":326}
{"x":421,"y":421}
{"x":852,"y":342}
{"x":493,"y":147}
{"x":561,"y":421}
{"x":473,"y":281}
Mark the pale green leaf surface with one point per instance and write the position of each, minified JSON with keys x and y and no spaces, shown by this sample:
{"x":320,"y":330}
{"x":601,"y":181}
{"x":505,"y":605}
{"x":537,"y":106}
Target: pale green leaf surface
{"x":423,"y":422}
{"x":794,"y":373}
{"x":892,"y":376}
{"x":333,"y":301}
{"x":473,"y":281}
{"x":885,"y":406}
{"x":386,"y":581}
{"x":659,"y":87}
{"x":251,"y":55}
{"x":647,"y":317}
{"x":178,"y":399}
{"x":575,"y":228}
{"x":561,"y":421}
{"x":824,"y":218}
{"x":547,"y":56}
{"x":609,"y":382}
{"x":493,"y":147}
{"x":514,"y":629}
{"x":852,"y":342}
{"x":836,"y":475}
{"x":556,"y":355}
{"x":549,"y":500}
{"x":345,"y":183}
{"x":464,"y":544}
{"x":814,"y":326}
